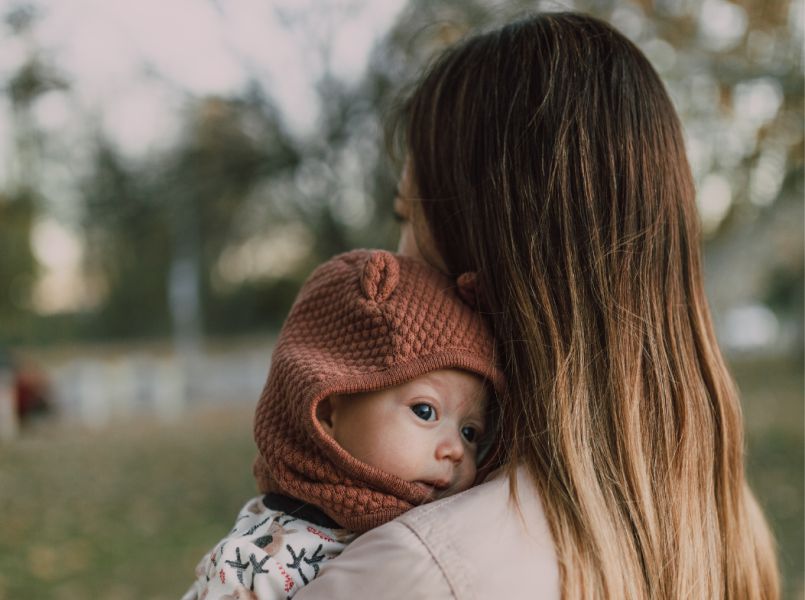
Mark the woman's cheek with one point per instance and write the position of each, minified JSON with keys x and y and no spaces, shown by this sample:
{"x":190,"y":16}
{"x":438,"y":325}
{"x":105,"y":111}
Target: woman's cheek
{"x":408,"y":246}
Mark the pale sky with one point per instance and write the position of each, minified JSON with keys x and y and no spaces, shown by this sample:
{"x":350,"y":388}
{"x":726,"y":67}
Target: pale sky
{"x":108,"y":48}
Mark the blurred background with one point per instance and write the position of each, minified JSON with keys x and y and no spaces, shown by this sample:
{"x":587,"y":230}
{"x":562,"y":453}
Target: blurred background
{"x":170,"y":172}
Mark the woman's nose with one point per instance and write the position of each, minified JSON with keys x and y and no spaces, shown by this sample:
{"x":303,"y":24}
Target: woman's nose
{"x":450,"y":447}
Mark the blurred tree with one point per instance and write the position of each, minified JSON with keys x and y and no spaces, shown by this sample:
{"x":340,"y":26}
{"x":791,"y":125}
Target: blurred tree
{"x":128,"y":239}
{"x":17,"y":264}
{"x":20,"y":201}
{"x":161,"y":226}
{"x":231,"y":149}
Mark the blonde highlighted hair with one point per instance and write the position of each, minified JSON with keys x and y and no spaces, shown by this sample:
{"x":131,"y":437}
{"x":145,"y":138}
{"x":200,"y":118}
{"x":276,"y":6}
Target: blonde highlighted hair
{"x":548,"y":158}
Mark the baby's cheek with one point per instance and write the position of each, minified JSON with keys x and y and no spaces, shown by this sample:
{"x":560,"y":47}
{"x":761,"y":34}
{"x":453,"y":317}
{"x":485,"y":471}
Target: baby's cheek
{"x":397,"y":455}
{"x":407,"y":464}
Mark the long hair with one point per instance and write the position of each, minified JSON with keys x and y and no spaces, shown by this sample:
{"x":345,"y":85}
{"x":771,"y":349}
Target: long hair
{"x":548,"y":158}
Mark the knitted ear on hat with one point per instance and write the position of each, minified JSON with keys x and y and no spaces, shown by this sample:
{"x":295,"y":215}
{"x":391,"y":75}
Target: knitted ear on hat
{"x":380,"y":276}
{"x":468,"y":288}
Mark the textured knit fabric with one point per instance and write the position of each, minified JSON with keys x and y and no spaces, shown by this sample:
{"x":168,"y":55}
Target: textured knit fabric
{"x":363,"y":321}
{"x":268,"y":555}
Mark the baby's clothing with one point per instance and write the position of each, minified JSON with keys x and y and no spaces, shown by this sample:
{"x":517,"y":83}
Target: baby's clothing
{"x":363,"y":321}
{"x":276,"y":546}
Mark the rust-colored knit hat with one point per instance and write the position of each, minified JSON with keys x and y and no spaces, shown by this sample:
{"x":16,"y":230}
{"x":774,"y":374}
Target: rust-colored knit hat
{"x":365,"y":320}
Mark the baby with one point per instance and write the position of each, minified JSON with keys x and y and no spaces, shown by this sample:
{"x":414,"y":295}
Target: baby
{"x":376,"y":401}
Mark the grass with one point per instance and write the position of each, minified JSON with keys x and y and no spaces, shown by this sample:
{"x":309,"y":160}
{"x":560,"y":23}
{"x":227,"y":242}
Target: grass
{"x":122,"y":514}
{"x":125,"y":513}
{"x":774,"y":414}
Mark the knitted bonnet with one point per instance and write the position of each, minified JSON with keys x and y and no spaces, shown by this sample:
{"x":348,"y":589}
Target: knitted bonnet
{"x":364,"y":320}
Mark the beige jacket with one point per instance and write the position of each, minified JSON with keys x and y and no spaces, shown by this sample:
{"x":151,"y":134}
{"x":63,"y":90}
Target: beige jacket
{"x":471,"y":546}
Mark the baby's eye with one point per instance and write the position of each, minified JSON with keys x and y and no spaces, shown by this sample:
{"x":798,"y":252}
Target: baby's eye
{"x":424,"y":411}
{"x":469,"y":433}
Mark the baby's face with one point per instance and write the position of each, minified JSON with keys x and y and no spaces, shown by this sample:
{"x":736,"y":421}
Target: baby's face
{"x":425,"y":431}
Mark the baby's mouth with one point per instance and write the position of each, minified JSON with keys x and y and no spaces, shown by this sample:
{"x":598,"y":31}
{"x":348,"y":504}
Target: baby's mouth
{"x":434,"y":488}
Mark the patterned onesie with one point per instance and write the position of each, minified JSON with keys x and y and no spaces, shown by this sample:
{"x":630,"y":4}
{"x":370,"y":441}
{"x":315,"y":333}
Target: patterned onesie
{"x":275,"y":547}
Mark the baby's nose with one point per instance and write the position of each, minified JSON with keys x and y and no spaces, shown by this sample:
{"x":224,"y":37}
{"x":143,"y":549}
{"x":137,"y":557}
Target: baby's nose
{"x":450,"y":447}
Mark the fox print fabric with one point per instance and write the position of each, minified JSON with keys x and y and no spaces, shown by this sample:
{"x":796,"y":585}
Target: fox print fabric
{"x":269,"y":554}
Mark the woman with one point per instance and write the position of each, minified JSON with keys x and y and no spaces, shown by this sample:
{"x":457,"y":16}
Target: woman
{"x":546,"y":156}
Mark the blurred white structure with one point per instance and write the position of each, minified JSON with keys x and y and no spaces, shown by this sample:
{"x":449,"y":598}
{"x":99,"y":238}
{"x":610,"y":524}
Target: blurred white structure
{"x":95,"y":391}
{"x":750,"y":328}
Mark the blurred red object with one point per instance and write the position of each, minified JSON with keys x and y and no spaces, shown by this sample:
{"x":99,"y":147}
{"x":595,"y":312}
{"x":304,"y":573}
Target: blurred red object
{"x":31,"y":391}
{"x":29,"y":384}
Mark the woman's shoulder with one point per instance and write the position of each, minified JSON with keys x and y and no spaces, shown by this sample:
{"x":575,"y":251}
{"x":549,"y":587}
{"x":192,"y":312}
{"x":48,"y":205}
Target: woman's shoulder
{"x":477,"y":544}
{"x":488,"y":546}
